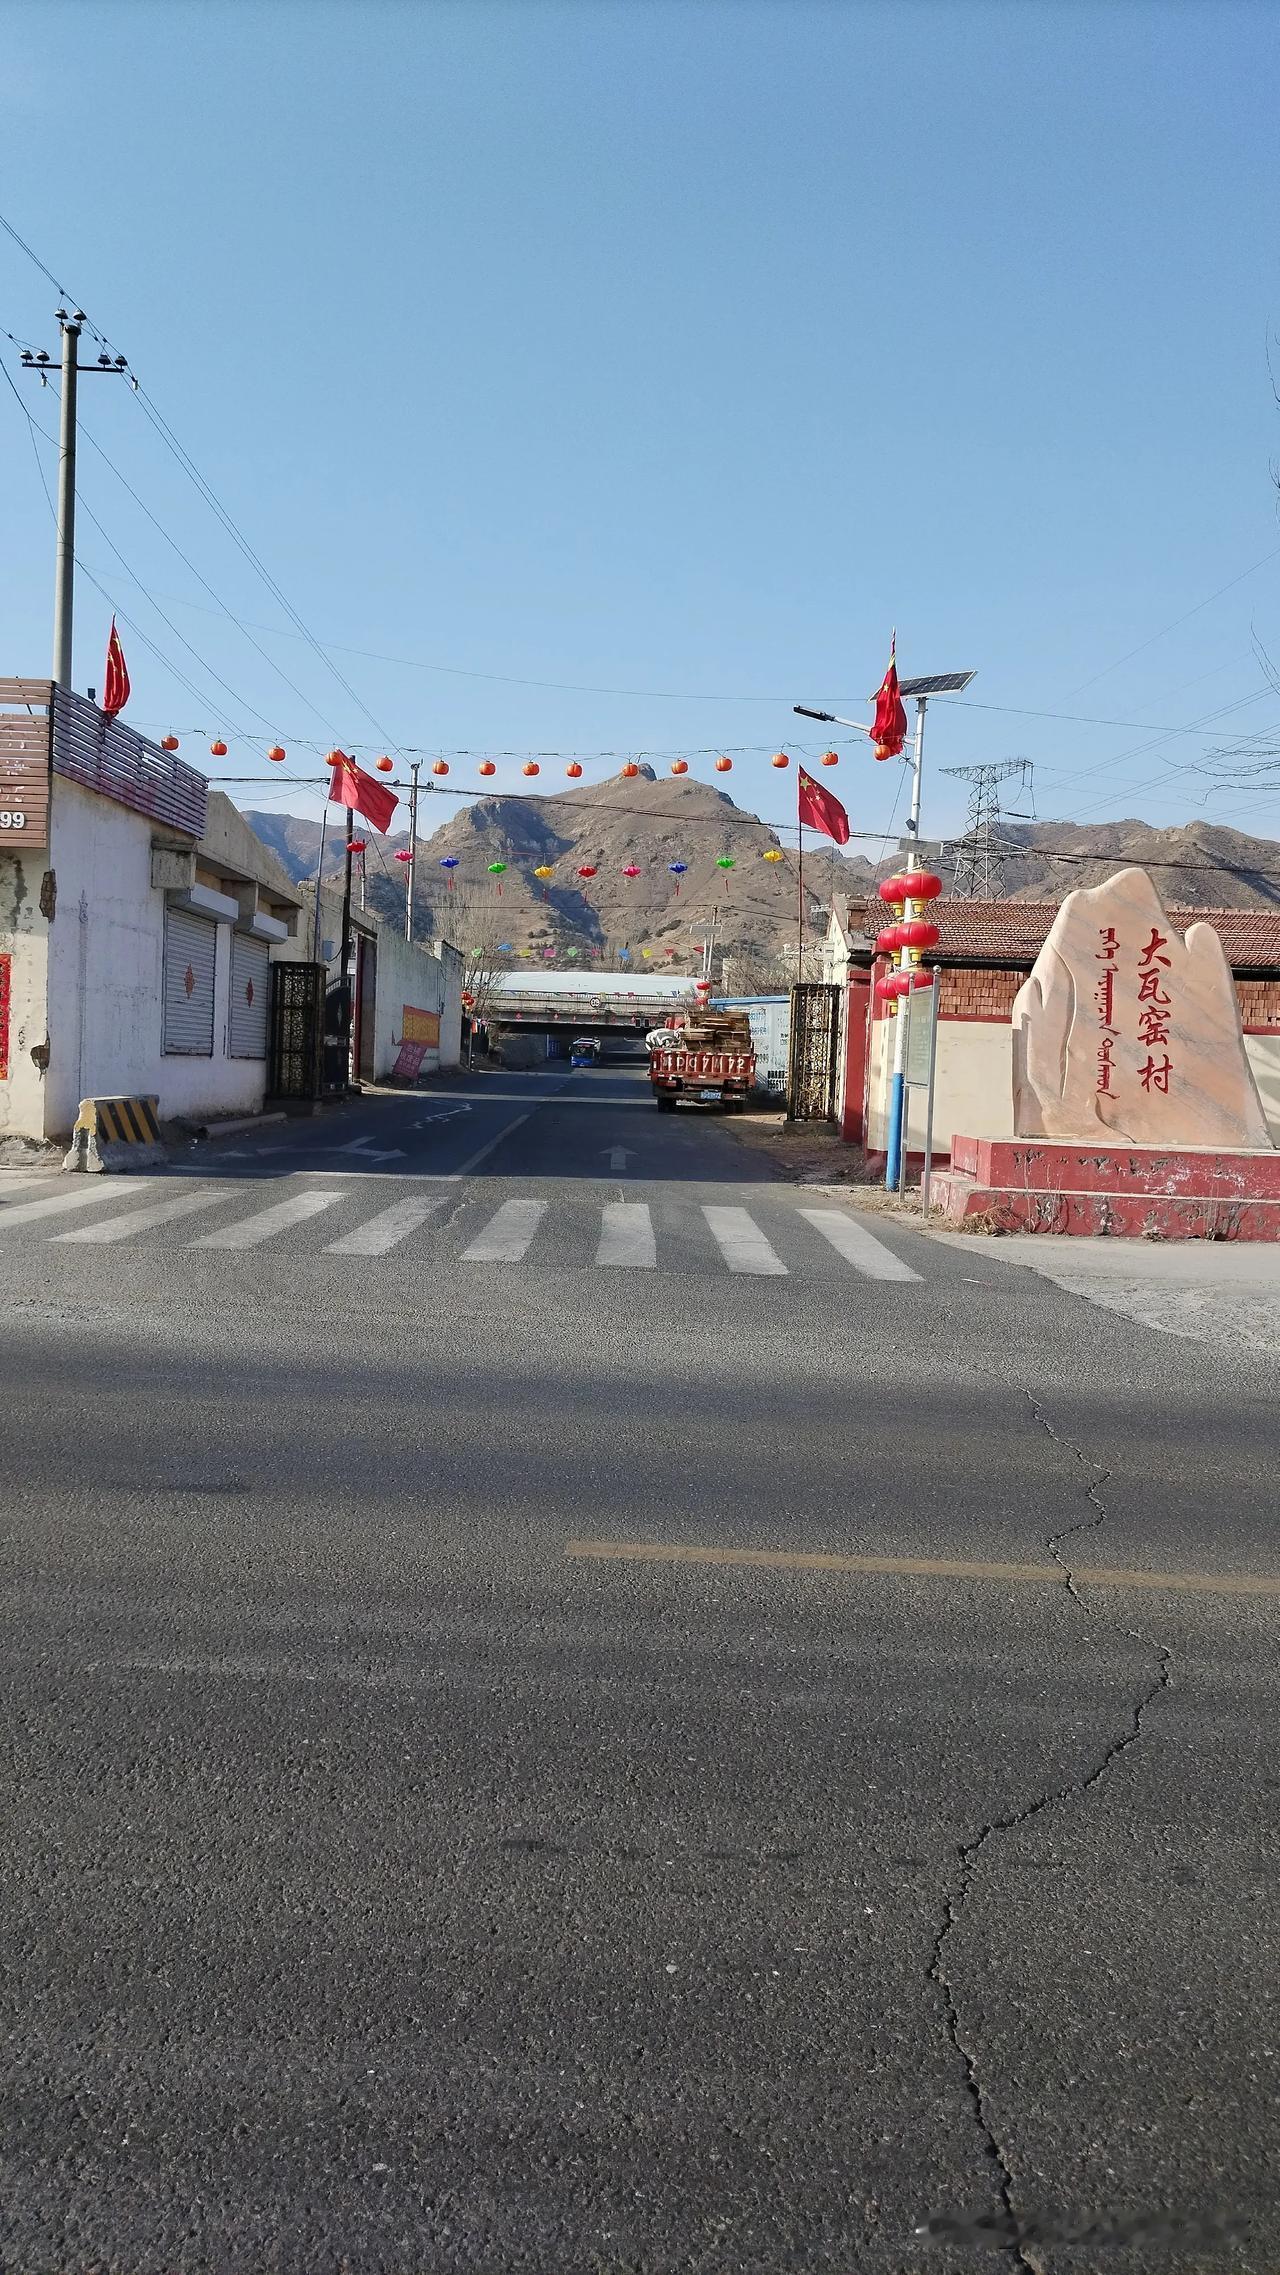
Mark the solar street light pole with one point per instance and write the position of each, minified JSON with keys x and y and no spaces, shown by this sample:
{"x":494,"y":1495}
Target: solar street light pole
{"x":896,"y":1148}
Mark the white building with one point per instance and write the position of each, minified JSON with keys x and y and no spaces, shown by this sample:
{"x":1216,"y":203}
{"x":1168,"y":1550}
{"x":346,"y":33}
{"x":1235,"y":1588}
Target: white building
{"x":139,"y":921}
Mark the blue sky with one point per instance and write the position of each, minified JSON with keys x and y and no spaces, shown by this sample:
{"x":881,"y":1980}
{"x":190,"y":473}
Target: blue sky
{"x":673,"y":349}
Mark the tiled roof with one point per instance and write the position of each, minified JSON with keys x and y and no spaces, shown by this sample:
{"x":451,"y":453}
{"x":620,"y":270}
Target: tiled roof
{"x":1015,"y":931}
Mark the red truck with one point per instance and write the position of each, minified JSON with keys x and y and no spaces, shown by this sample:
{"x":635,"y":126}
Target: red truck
{"x":712,"y":1063}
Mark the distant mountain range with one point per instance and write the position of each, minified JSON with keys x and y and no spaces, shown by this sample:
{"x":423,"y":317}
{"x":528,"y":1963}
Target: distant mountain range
{"x":733,"y":870}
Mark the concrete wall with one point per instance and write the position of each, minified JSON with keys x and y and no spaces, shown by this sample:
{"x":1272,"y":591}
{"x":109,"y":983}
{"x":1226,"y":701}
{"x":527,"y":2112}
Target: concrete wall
{"x":24,"y":936}
{"x":974,"y":1086}
{"x":408,"y":972}
{"x":106,"y":949}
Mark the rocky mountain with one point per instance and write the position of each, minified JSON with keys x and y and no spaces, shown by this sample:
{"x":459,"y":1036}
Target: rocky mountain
{"x":736,"y":873}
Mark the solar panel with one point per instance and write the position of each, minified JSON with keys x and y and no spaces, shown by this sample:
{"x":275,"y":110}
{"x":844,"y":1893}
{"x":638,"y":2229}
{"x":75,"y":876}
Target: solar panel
{"x":939,"y":683}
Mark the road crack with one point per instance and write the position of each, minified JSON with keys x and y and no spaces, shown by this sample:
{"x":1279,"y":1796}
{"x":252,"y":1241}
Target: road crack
{"x":1016,"y":2232}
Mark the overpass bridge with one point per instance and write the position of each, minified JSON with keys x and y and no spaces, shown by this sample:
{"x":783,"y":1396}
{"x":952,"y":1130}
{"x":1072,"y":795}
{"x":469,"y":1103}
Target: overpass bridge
{"x":587,"y":1003}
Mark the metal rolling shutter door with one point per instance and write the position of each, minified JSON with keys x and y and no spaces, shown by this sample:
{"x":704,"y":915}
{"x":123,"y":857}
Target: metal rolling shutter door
{"x":190,"y":943}
{"x":250,"y":996}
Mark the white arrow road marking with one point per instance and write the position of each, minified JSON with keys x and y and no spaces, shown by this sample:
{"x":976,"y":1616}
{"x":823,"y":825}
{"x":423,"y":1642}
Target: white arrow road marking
{"x":618,"y":1158}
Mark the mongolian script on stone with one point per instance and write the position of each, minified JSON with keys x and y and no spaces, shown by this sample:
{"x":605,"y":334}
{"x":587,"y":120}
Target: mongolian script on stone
{"x":1127,"y":1028}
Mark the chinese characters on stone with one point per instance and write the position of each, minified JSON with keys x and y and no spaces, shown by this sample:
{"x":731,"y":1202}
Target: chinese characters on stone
{"x":1155,"y":1010}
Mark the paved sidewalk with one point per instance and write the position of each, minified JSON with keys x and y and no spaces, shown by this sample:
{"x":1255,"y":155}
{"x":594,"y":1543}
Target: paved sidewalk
{"x":1222,"y":1292}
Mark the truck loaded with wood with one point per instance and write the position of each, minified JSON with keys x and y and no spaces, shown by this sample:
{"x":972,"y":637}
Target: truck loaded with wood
{"x":710,"y":1060}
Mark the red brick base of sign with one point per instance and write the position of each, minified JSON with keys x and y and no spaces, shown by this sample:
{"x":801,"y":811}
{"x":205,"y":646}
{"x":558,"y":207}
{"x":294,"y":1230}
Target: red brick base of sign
{"x":1128,"y":1192}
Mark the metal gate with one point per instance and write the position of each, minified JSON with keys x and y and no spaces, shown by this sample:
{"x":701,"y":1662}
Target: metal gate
{"x":814,"y":1053}
{"x":297,"y":1030}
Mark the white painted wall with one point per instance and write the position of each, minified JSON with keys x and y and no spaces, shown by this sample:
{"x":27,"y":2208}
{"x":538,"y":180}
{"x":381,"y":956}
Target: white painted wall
{"x":410,"y":972}
{"x":104,"y":984}
{"x":974,"y":1087}
{"x":24,"y":940}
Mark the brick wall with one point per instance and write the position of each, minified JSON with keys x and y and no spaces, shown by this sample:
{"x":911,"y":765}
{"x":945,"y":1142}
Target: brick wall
{"x":1259,"y":1006}
{"x":978,"y":994}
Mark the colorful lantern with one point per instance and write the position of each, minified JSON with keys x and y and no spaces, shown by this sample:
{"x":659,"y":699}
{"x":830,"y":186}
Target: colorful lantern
{"x":890,"y":940}
{"x":630,"y":770}
{"x":440,"y":766}
{"x":588,"y":870}
{"x":275,"y":754}
{"x":678,"y":869}
{"x":356,"y":844}
{"x":403,"y":855}
{"x":385,"y":765}
{"x":486,"y":766}
{"x":497,"y":869}
{"x":573,"y":770}
{"x":772,"y":853}
{"x":831,"y":758}
{"x":679,"y":765}
{"x":724,"y":766}
{"x":170,"y":742}
{"x":894,"y":891}
{"x":218,"y":749}
{"x":449,"y":863}
{"x":780,"y":759}
{"x":726,"y":861}
{"x":920,"y":933}
{"x":924,"y":885}
{"x":504,"y":947}
{"x":531,"y":766}
{"x":631,"y":869}
{"x":646,"y":953}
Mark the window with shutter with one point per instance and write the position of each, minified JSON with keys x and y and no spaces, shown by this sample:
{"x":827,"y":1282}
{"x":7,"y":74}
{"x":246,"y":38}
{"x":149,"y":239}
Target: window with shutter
{"x":250,"y":996}
{"x":190,"y":945}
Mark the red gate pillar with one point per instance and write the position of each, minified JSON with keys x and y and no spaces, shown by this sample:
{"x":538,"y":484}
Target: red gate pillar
{"x":857,"y":1015}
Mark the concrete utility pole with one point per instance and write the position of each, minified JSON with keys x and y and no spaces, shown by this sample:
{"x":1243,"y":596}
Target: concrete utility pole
{"x":113,"y":367}
{"x":413,"y":847}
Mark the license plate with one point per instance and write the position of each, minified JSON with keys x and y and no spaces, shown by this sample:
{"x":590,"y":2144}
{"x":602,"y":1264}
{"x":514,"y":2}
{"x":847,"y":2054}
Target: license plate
{"x":708,"y":1094}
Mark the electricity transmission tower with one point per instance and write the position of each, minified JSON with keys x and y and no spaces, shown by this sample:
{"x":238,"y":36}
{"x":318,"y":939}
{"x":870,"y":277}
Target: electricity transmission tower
{"x":981,"y":852}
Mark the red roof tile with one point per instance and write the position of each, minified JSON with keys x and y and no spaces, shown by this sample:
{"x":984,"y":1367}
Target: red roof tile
{"x":1015,"y":931}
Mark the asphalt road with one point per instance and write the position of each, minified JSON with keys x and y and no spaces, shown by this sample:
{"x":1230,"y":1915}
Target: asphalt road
{"x":561,"y":1713}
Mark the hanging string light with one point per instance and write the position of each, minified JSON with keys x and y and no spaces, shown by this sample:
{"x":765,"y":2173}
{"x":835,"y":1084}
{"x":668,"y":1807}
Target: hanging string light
{"x":441,"y":766}
{"x":385,"y":765}
{"x":573,"y":770}
{"x":831,"y":758}
{"x":486,"y":766}
{"x":678,"y":869}
{"x":679,"y":765}
{"x":780,"y":759}
{"x":275,"y":754}
{"x":772,"y":853}
{"x":449,"y":862}
{"x":724,"y":766}
{"x":497,"y":869}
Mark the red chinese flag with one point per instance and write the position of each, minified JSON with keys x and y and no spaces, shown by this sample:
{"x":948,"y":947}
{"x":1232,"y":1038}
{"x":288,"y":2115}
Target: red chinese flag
{"x":115,"y":686}
{"x":351,"y":787}
{"x":820,"y":810}
{"x":889,"y":727}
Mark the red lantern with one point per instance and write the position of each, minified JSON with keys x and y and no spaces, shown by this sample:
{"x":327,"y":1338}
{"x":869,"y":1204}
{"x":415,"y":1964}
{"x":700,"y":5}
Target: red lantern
{"x":486,"y":766}
{"x":630,"y":770}
{"x":924,"y":885}
{"x":218,"y":749}
{"x":468,"y":1000}
{"x":402,"y":855}
{"x":356,"y":844}
{"x":386,"y":765}
{"x":679,"y":765}
{"x":336,"y":758}
{"x":830,"y":758}
{"x":440,"y":766}
{"x":919,"y":933}
{"x":276,"y":755}
{"x":589,"y":871}
{"x":780,"y":759}
{"x":573,"y":770}
{"x":890,"y":940}
{"x":724,"y":766}
{"x":531,"y":766}
{"x":887,"y":989}
{"x":168,"y":742}
{"x":631,"y":869}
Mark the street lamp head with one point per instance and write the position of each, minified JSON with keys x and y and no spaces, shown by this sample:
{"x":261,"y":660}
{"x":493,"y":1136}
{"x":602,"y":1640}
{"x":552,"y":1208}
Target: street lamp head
{"x":802,"y":711}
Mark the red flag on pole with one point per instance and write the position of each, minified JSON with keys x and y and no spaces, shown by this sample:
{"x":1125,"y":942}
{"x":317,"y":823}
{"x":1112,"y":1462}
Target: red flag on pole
{"x":820,"y":810}
{"x":889,"y":727}
{"x":115,"y":686}
{"x":351,"y":787}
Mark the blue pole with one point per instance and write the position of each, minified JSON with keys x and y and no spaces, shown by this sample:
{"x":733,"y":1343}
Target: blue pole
{"x":893,"y":1159}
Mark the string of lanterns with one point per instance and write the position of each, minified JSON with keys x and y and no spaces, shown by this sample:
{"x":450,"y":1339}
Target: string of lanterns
{"x":487,"y":767}
{"x":910,"y":891}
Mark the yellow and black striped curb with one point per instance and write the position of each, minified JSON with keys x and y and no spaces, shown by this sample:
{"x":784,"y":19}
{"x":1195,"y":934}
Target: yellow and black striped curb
{"x":115,"y":1133}
{"x":121,"y":1121}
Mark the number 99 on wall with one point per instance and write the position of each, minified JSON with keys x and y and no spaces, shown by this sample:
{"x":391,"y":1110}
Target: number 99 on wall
{"x":11,"y":820}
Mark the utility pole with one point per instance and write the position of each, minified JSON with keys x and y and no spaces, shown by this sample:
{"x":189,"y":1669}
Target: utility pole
{"x":979,"y":855}
{"x":413,"y":847}
{"x":113,"y":367}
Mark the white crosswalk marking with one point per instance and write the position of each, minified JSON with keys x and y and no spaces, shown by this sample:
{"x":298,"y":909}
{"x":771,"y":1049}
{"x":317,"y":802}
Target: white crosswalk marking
{"x":742,"y":1244}
{"x":507,"y":1235}
{"x":28,"y":1212}
{"x":142,"y":1220}
{"x":627,"y":1236}
{"x":251,"y":1231}
{"x":858,"y":1246}
{"x":384,"y":1230}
